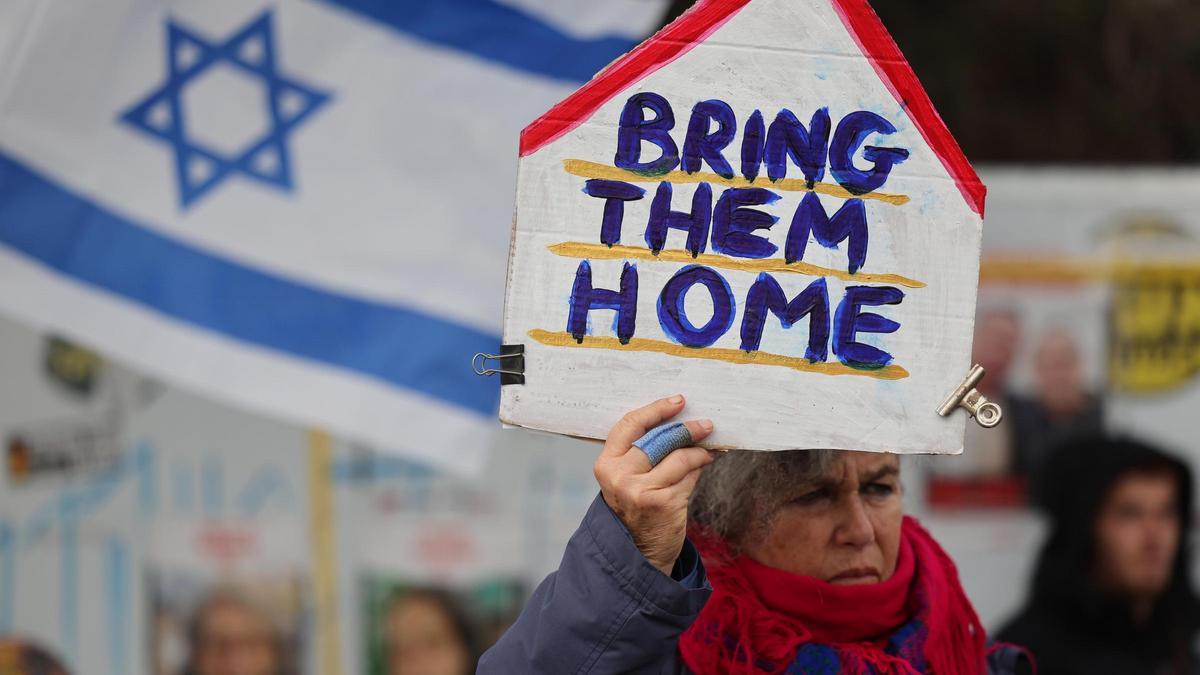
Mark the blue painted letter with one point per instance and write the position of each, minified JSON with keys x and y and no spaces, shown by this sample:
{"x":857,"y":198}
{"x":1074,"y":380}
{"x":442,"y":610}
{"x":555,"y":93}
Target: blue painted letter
{"x":733,"y":225}
{"x":614,"y":193}
{"x":851,"y":132}
{"x":700,"y":144}
{"x":662,"y":218}
{"x":635,"y":128}
{"x":849,"y":321}
{"x":753,"y":139}
{"x":787,"y":137}
{"x":673,"y":317}
{"x":850,"y":222}
{"x":766,"y":295}
{"x":585,"y":298}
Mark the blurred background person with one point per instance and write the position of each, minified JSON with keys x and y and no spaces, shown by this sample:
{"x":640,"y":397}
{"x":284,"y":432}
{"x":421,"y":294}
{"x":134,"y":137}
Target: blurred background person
{"x":18,"y":657}
{"x":1061,"y":406}
{"x":230,"y":635}
{"x":1111,"y":593}
{"x":427,"y":632}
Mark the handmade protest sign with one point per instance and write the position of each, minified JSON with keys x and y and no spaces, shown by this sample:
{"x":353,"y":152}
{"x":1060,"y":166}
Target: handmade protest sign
{"x":759,"y":208}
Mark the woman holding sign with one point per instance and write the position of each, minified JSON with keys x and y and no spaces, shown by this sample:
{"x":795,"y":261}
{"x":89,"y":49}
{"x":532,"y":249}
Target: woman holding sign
{"x":746,"y":562}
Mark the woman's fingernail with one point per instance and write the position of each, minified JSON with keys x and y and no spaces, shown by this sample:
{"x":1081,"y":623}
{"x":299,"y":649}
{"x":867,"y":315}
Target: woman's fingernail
{"x":676,"y":399}
{"x":706,"y":425}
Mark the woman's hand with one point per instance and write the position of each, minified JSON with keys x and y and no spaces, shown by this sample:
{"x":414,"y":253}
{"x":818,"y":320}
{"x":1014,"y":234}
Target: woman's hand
{"x":652,"y":501}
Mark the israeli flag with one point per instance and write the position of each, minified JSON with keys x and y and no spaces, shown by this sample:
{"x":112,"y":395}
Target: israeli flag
{"x":300,"y":206}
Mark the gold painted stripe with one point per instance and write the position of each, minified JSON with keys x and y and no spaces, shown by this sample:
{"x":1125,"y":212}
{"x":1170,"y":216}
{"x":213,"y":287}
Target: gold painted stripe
{"x":324,"y":543}
{"x":586,"y":169}
{"x":564,"y":339}
{"x":572,"y":249}
{"x":1067,"y":270}
{"x":1041,"y":270}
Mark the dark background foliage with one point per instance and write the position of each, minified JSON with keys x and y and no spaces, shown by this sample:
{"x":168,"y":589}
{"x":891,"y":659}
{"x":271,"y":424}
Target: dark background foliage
{"x":1066,"y":81}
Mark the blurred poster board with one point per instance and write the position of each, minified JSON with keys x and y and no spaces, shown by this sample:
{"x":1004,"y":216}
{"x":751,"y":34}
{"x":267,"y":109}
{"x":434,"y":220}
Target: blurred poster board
{"x":764,"y":203}
{"x":1089,"y":319}
{"x":110,"y":564}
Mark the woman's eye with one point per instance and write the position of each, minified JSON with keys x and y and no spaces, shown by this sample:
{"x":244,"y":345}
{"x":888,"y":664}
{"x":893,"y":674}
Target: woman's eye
{"x":880,"y":489}
{"x":812,"y":497}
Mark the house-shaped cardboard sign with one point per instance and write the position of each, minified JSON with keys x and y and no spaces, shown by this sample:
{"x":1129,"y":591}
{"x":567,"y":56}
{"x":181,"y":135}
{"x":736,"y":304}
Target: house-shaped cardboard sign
{"x":758,"y":208}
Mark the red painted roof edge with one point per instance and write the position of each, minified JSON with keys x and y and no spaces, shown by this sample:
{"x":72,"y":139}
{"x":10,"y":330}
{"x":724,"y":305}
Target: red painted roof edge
{"x":877,"y":44}
{"x":705,"y":17}
{"x":668,"y":44}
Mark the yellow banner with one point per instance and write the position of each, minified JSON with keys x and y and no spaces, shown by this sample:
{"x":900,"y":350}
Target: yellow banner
{"x":1154,"y":339}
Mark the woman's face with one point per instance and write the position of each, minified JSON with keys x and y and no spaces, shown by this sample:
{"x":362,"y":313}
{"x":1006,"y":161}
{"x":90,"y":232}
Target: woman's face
{"x":1138,"y":533}
{"x":421,"y":640}
{"x":843,"y":529}
{"x":234,"y":640}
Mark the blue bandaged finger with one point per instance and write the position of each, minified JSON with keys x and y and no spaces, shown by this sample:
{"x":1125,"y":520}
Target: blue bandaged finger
{"x":663,"y":440}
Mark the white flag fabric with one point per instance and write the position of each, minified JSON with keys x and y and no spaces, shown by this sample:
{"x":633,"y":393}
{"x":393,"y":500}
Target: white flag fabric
{"x":299,"y":206}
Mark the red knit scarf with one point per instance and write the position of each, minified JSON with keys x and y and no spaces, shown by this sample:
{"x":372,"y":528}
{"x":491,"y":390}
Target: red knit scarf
{"x":760,"y":619}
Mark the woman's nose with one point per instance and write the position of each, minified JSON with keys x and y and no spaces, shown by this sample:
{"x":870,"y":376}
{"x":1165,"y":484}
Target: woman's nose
{"x":855,"y":528}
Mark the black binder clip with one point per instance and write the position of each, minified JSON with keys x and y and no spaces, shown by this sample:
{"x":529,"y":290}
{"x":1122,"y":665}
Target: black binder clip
{"x":511,"y":364}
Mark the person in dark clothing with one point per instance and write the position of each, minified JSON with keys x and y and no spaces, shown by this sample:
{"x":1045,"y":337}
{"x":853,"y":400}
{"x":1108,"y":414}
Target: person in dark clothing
{"x":746,"y":562}
{"x":1061,"y":407}
{"x":1111,"y":593}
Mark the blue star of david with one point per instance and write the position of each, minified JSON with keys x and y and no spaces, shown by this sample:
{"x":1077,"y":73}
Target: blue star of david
{"x":200,"y":167}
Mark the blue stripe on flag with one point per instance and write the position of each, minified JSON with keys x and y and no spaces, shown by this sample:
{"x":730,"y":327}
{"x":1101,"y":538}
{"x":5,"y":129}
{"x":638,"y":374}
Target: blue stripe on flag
{"x":399,"y":346}
{"x":494,"y":32}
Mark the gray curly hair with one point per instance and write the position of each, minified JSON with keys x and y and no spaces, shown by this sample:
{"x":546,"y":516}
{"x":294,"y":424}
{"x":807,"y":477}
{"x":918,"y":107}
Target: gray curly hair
{"x":740,"y":492}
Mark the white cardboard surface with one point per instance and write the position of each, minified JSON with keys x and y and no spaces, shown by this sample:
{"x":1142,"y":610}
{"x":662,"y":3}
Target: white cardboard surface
{"x":772,"y":54}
